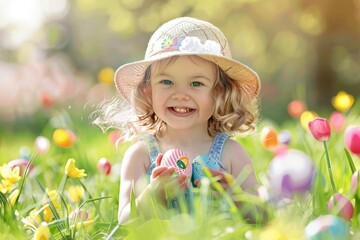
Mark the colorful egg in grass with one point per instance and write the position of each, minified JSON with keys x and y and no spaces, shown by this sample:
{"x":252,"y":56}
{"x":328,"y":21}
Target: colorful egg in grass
{"x":341,"y":206}
{"x":199,"y":163}
{"x":327,"y":227}
{"x":21,"y":163}
{"x":289,"y":172}
{"x":178,"y":159}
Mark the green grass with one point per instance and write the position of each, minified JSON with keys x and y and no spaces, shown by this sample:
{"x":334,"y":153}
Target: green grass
{"x":100,"y":199}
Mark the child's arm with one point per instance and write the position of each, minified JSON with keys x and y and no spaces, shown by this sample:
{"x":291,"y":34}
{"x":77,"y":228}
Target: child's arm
{"x":133,"y":173}
{"x":236,"y":160}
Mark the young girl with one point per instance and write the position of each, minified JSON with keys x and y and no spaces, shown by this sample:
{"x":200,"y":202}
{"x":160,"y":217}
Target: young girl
{"x":188,"y":93}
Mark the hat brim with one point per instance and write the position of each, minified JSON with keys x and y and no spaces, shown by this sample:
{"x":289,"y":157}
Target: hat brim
{"x":128,"y":76}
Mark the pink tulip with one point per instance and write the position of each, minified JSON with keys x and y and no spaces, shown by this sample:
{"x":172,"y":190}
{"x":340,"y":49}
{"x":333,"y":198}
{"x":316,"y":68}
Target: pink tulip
{"x":104,"y":166}
{"x":320,"y":129}
{"x":352,"y":139}
{"x":337,"y":121}
{"x":342,"y":205}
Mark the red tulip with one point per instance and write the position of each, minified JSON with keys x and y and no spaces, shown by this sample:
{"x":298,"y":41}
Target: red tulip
{"x":352,"y":139}
{"x":320,"y":129}
{"x":342,"y":205}
{"x":104,"y":166}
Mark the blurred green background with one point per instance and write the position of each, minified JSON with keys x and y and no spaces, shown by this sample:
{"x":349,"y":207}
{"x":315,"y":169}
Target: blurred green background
{"x":59,"y":55}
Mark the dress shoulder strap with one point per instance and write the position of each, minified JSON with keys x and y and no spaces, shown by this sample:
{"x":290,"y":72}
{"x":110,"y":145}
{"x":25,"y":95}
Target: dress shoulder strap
{"x":217,"y":146}
{"x":153,"y":149}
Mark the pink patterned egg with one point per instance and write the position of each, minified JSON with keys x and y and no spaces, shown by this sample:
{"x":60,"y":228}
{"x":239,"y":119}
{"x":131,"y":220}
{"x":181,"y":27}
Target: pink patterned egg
{"x":341,"y":205}
{"x":178,"y":159}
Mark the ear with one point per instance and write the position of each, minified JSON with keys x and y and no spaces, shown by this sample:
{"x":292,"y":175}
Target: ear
{"x":147,"y":90}
{"x":158,"y":159}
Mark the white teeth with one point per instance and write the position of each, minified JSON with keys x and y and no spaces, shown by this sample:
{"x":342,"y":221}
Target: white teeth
{"x":181,"y":109}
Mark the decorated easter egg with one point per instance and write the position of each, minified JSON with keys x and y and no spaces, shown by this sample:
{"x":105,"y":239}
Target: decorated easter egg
{"x":199,"y":163}
{"x":327,"y":227}
{"x":341,"y":205}
{"x":178,"y":159}
{"x":291,"y":171}
{"x":21,"y":163}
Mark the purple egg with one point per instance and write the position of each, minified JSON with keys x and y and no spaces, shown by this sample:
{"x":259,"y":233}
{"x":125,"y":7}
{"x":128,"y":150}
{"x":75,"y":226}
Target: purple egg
{"x":327,"y":227}
{"x":291,"y":171}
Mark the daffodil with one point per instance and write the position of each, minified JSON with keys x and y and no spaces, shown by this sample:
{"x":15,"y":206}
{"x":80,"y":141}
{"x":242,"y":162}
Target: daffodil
{"x":5,"y":186}
{"x":42,"y":232}
{"x":12,"y":175}
{"x":75,"y":193}
{"x":13,"y":196}
{"x":73,"y":172}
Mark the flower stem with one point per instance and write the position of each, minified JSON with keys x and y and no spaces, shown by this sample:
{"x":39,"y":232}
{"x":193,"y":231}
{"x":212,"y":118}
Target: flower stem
{"x":329,"y":168}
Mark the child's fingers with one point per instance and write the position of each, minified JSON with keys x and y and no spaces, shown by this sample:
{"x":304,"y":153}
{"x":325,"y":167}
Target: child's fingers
{"x":162,"y":171}
{"x":158,"y":159}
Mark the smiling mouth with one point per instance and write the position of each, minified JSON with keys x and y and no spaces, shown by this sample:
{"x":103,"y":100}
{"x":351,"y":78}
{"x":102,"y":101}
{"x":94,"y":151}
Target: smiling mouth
{"x":181,"y":110}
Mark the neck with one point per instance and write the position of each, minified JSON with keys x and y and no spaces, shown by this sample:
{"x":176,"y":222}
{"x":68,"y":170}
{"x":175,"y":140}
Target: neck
{"x":193,"y":142}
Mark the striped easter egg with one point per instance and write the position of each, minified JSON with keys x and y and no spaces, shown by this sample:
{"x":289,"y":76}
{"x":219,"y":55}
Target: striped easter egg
{"x":178,"y":159}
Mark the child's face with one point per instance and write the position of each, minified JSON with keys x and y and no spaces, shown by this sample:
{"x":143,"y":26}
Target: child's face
{"x":182,"y":92}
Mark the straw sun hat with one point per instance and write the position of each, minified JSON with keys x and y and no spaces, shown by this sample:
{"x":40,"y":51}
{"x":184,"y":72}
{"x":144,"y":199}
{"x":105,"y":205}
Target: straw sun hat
{"x":186,"y":36}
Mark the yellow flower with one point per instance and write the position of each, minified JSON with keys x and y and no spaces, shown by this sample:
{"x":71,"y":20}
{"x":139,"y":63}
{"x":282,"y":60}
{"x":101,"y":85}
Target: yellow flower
{"x":13,"y":196}
{"x":75,"y":193}
{"x":306,"y":117}
{"x":48,"y":214}
{"x":342,"y":101}
{"x":54,"y":197}
{"x":10,"y":174}
{"x":83,"y":224}
{"x":73,"y":172}
{"x":42,"y":232}
{"x":5,"y":186}
{"x":106,"y":75}
{"x":281,"y":229}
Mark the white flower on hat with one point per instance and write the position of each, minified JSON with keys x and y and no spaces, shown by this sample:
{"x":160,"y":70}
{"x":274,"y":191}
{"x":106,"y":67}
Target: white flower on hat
{"x":193,"y":44}
{"x":212,"y":47}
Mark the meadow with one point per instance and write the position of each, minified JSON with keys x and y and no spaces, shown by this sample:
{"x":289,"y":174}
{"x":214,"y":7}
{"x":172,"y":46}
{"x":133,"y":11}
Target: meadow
{"x":63,"y":182}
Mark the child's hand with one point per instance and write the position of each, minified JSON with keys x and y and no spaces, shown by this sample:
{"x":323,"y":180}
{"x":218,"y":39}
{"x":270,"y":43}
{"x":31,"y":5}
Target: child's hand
{"x":165,"y":183}
{"x":225,"y":179}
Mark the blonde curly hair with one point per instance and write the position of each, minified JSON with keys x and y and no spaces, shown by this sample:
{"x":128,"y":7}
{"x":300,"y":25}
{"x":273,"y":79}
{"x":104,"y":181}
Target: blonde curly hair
{"x":236,"y":111}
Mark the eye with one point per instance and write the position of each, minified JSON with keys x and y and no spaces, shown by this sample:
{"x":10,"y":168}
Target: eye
{"x":166,"y":82}
{"x":196,"y":84}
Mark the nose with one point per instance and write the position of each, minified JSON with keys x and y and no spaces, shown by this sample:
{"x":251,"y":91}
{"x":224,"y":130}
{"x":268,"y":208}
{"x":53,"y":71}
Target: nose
{"x":180,"y":96}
